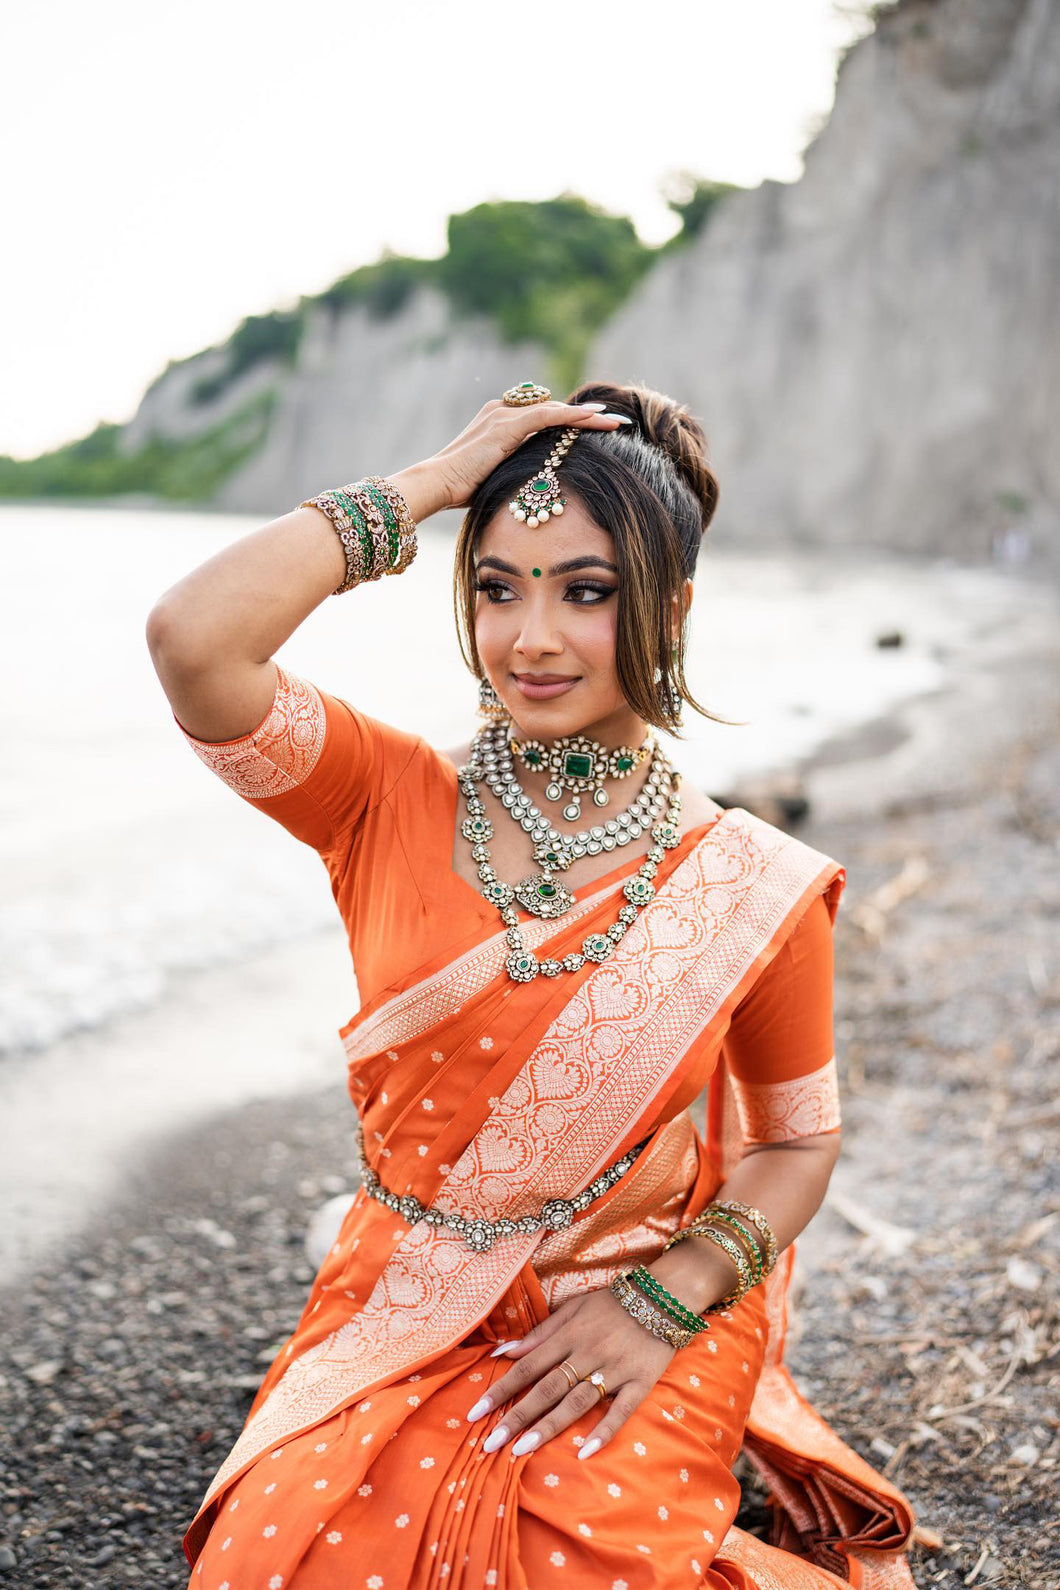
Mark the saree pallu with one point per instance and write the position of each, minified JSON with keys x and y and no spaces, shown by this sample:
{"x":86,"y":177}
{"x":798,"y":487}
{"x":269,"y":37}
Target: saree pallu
{"x":356,"y":1465}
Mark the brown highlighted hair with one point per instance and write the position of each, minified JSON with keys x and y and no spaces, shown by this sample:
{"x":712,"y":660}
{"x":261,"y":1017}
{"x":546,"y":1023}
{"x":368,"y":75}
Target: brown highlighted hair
{"x":647,"y":484}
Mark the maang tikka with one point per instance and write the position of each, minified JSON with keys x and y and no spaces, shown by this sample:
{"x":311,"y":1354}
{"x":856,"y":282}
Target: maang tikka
{"x":539,"y":499}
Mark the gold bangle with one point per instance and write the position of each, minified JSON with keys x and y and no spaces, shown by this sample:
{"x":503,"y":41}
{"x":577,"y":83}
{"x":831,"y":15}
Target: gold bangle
{"x":375,"y":525}
{"x":353,"y":534}
{"x":730,"y":1246}
{"x":746,"y":1235}
{"x":761,"y":1225}
{"x":406,"y":524}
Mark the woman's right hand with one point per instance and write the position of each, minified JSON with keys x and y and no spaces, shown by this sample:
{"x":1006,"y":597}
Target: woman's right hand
{"x":494,"y":433}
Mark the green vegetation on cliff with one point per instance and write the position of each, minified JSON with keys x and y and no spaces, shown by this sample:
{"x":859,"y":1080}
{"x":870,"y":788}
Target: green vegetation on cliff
{"x":187,"y":471}
{"x":550,"y":272}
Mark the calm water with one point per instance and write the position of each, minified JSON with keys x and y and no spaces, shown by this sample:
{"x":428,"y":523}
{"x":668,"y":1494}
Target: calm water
{"x":124,"y":861}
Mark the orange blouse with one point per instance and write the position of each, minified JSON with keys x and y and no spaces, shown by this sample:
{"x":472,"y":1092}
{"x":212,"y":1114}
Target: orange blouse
{"x":380,"y":807}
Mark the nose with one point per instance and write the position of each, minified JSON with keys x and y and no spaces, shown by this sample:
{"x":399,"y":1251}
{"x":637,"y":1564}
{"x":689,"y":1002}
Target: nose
{"x":537,"y":635}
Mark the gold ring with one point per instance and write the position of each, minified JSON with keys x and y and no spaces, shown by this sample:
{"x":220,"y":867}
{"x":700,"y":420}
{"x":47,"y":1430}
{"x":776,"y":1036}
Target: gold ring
{"x":569,"y":1369}
{"x":526,"y":392}
{"x":596,"y":1379}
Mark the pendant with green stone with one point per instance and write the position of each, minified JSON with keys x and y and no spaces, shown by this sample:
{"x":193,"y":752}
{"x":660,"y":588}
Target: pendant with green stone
{"x":498,"y":893}
{"x":638,"y":890}
{"x":554,"y":858}
{"x":522,"y":966}
{"x":542,"y":896}
{"x":597,"y":947}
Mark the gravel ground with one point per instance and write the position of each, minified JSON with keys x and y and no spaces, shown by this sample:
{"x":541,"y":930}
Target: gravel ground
{"x":924,"y":1332}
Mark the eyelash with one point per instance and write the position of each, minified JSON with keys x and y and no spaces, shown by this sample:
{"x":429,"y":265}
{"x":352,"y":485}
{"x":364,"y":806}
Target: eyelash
{"x":601,"y":592}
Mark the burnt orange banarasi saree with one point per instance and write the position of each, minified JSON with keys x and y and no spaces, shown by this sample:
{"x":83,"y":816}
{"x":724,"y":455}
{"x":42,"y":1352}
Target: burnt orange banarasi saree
{"x":356,"y":1466}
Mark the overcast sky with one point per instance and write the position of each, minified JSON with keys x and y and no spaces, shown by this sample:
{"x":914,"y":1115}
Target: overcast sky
{"x":170,"y":169}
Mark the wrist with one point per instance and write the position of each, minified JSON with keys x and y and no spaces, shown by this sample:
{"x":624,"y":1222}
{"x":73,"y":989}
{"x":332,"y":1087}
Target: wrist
{"x":696,"y":1272}
{"x":423,"y":489}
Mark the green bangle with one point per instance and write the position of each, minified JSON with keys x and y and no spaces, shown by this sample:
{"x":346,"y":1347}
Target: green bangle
{"x":387,"y":515}
{"x":760,"y":1223}
{"x":363,"y":533}
{"x":665,"y":1300}
{"x":754,"y":1249}
{"x":645,"y":1313}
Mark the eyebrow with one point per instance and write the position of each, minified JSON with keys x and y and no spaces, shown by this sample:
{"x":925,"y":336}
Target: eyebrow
{"x":570,"y":567}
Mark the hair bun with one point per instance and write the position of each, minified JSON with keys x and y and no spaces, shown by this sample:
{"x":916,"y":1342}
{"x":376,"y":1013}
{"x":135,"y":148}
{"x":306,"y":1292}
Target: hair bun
{"x":666,"y":424}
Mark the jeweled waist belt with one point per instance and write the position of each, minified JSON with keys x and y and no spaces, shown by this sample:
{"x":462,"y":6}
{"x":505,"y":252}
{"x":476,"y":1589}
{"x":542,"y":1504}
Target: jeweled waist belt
{"x":479,"y":1233}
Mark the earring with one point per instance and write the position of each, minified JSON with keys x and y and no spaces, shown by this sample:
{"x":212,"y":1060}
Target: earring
{"x":673,"y":695}
{"x":490,"y":705}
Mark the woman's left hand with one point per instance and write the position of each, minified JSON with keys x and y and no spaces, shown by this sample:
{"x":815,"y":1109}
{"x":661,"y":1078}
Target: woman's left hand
{"x":592,"y":1333}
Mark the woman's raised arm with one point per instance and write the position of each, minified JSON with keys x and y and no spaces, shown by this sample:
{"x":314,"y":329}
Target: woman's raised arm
{"x":211,"y":635}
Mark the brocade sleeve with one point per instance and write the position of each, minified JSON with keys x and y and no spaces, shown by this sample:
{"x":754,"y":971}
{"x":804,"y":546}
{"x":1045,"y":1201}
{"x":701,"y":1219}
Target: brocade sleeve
{"x":780,"y":1046}
{"x":314,"y":763}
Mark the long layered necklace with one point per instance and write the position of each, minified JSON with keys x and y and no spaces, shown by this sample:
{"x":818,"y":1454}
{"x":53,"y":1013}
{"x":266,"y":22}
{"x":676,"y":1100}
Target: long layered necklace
{"x":540,"y":893}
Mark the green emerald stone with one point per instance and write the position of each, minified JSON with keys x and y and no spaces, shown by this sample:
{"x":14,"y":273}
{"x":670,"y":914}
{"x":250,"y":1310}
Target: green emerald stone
{"x":526,"y":386}
{"x":541,"y":485}
{"x":546,"y":890}
{"x":576,"y":764}
{"x":533,"y":758}
{"x":625,"y":763}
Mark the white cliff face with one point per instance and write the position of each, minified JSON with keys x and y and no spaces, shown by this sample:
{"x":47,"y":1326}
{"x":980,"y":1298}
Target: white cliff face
{"x":167,"y":409}
{"x":873,"y":349}
{"x":370,"y":397}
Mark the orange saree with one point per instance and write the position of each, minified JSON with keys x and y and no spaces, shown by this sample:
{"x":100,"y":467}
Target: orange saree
{"x":356,"y":1464}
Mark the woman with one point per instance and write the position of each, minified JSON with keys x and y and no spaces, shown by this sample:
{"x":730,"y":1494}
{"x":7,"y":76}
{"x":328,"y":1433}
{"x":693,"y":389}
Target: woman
{"x":554,"y":1313}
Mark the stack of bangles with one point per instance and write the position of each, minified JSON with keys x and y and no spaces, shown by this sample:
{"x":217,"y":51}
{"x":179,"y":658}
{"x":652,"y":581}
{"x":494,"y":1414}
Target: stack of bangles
{"x":753,"y":1251}
{"x":374,"y":524}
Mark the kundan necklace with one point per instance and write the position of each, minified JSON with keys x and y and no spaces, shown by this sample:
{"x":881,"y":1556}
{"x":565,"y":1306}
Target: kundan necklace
{"x":540,"y":894}
{"x":492,"y":748}
{"x":580,"y":765}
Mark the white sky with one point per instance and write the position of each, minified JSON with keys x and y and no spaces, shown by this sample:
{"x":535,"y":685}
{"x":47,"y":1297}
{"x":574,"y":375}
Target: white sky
{"x":170,"y":169}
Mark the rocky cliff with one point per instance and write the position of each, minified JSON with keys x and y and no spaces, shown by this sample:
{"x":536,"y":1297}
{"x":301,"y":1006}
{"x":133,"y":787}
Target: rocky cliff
{"x":873,"y":349}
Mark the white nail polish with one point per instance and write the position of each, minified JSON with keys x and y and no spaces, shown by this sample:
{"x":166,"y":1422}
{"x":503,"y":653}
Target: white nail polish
{"x":498,"y":1438}
{"x":483,"y":1405}
{"x":623,"y":418}
{"x":589,"y":1448}
{"x":526,"y":1443}
{"x":502,"y":1347}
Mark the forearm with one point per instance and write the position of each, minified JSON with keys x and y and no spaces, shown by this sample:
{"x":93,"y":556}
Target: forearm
{"x":243,"y":603}
{"x":787,"y":1182}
